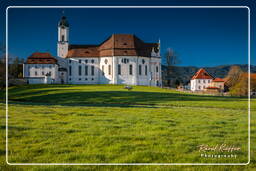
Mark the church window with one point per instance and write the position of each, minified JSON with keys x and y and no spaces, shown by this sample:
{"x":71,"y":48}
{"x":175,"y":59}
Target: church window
{"x":35,"y":73}
{"x":143,"y":61}
{"x":139,"y":69}
{"x":119,"y":69}
{"x":86,"y":70}
{"x":62,"y":38}
{"x":92,"y":70}
{"x":109,"y":69}
{"x":156,"y":68}
{"x":102,"y":68}
{"x":70,"y":70}
{"x":125,"y":60}
{"x":92,"y":61}
{"x":146,"y":70}
{"x":130,"y":69}
{"x":79,"y":70}
{"x":106,"y":61}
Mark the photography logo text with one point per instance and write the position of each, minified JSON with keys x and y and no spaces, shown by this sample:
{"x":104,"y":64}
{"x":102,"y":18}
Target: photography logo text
{"x":218,"y":151}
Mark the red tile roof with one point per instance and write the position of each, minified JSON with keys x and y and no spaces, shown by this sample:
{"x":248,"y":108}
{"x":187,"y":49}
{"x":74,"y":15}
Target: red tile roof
{"x":202,"y":74}
{"x":212,"y":87}
{"x":41,"y":58}
{"x":115,"y":45}
{"x":218,"y":80}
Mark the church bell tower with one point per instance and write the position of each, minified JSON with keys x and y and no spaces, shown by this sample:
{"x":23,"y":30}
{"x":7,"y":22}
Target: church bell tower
{"x":63,"y":37}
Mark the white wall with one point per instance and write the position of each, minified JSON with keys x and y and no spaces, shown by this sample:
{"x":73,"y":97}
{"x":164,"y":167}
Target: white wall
{"x":62,"y":46}
{"x":75,"y":78}
{"x":104,"y":77}
{"x":200,"y":84}
{"x":41,"y":69}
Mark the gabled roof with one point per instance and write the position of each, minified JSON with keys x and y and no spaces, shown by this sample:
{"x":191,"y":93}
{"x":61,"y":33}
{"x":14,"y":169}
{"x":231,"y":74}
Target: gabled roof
{"x":212,"y":87}
{"x":41,"y":58}
{"x":115,"y":45}
{"x":218,"y":80}
{"x":202,"y":74}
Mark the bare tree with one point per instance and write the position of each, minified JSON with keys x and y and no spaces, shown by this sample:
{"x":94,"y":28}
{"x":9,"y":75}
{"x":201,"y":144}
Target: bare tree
{"x":234,"y":75}
{"x":171,"y":57}
{"x":2,"y":66}
{"x":172,"y":60}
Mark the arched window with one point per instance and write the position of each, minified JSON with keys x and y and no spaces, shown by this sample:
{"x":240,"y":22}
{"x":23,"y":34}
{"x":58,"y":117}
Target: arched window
{"x":146,"y":70}
{"x":156,"y":68}
{"x":92,"y":70}
{"x":139,"y":69}
{"x":86,"y":70}
{"x":102,"y":68}
{"x":109,"y":69}
{"x":119,"y":69}
{"x":79,"y":70}
{"x":70,"y":70}
{"x":130,"y":69}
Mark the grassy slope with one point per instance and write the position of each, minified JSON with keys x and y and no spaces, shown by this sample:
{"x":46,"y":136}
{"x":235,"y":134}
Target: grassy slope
{"x":144,"y":125}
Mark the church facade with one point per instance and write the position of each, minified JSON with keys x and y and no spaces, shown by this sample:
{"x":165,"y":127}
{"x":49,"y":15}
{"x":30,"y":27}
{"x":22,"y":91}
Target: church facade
{"x":120,"y":59}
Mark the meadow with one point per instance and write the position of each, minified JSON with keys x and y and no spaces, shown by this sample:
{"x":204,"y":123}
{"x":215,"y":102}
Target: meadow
{"x":109,"y":124}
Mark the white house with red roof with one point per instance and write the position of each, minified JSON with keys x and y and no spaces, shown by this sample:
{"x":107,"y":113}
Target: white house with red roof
{"x":120,"y":59}
{"x":203,"y":81}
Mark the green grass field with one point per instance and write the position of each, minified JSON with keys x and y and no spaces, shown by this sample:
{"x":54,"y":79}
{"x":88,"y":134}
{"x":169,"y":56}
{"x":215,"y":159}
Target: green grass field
{"x":109,"y":124}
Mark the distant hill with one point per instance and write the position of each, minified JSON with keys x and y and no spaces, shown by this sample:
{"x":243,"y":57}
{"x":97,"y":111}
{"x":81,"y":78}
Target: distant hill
{"x":184,"y":73}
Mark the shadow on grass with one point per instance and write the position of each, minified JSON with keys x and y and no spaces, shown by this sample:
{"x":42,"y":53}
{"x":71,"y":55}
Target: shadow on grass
{"x":114,"y":98}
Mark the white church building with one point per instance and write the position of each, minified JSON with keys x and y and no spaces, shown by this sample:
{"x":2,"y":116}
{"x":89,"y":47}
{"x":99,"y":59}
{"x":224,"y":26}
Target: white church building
{"x":120,"y":59}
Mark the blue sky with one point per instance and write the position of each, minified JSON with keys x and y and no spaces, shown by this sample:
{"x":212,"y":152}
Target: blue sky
{"x":201,"y":37}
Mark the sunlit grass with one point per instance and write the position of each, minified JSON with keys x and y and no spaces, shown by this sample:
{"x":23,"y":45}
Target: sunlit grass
{"x":146,"y":125}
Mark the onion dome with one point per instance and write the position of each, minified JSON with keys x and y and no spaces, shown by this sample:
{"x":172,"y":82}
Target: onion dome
{"x":63,"y":22}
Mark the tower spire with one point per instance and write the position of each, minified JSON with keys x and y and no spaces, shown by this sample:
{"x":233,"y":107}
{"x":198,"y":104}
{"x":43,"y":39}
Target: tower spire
{"x":63,"y":36}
